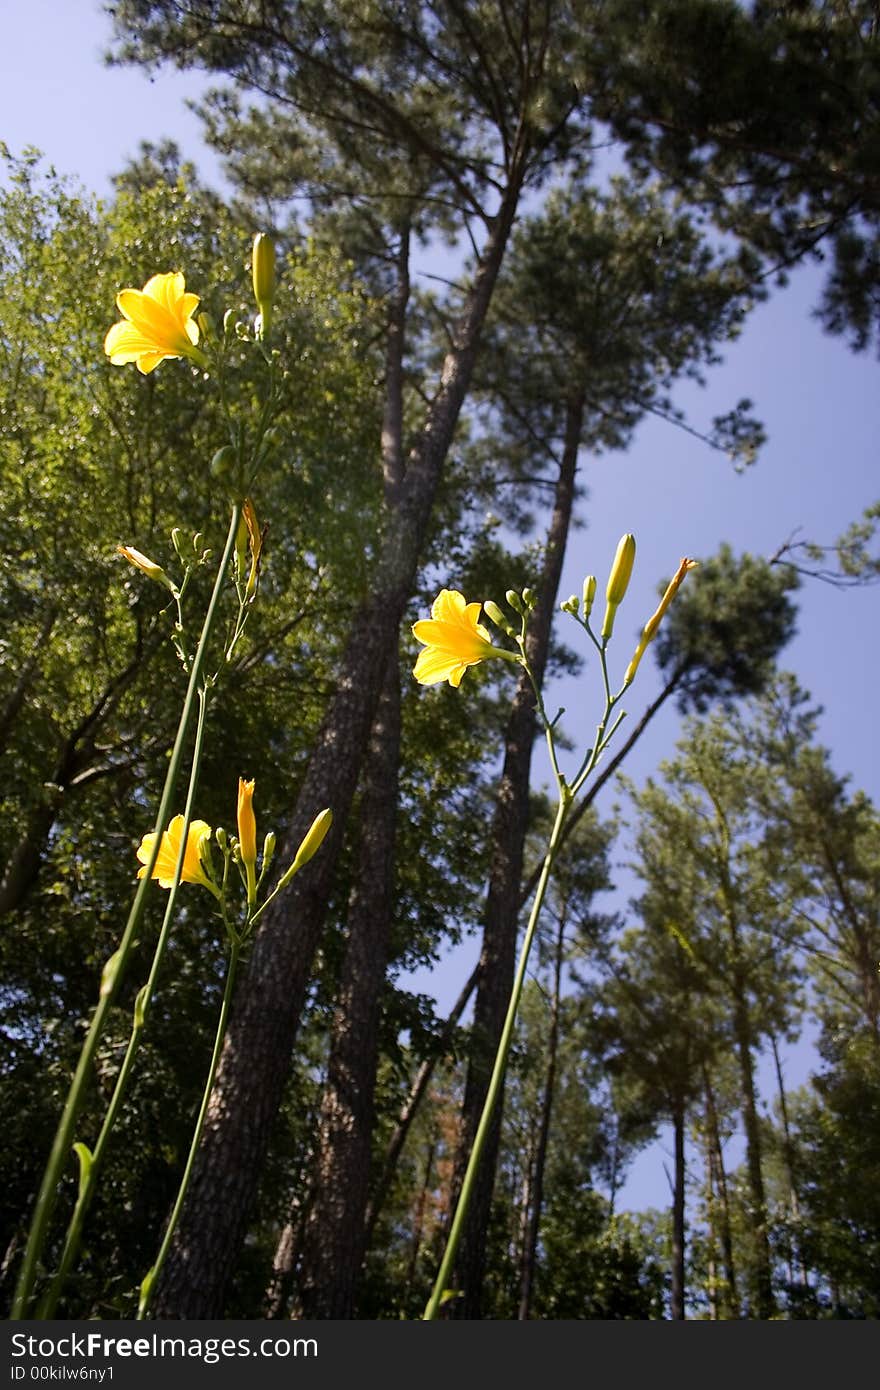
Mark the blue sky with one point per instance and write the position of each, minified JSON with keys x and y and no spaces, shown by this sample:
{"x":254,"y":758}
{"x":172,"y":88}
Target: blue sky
{"x":819,"y":403}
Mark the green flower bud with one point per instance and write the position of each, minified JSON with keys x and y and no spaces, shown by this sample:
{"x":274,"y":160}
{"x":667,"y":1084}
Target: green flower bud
{"x":224,"y":462}
{"x":495,"y":615}
{"x":263,"y":267}
{"x":515,"y":601}
{"x":589,"y":594}
{"x":618,"y":581}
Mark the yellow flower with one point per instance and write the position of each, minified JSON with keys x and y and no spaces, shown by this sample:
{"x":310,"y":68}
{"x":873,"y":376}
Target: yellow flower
{"x":159,"y":324}
{"x":649,"y":631}
{"x":247,"y":835}
{"x":146,"y":566}
{"x":169,"y":849}
{"x":618,"y":581}
{"x":454,"y":640}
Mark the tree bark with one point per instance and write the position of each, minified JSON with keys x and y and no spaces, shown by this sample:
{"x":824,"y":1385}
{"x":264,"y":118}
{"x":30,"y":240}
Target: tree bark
{"x":265,"y":1017}
{"x":726,"y":1235}
{"x":678,"y":1282}
{"x":409,"y":1109}
{"x":501,"y":915}
{"x":760,"y":1280}
{"x":335,"y":1234}
{"x":537,"y":1185}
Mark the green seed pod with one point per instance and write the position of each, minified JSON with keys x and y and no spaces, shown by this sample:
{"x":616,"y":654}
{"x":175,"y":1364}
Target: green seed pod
{"x":224,"y":462}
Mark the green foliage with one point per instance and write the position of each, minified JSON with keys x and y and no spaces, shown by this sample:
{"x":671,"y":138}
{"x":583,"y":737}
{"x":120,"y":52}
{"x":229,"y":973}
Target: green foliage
{"x":726,"y":627}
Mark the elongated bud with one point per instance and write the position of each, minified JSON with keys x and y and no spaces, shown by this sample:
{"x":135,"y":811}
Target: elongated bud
{"x":649,"y":631}
{"x":242,"y":543}
{"x":618,"y":581}
{"x":205,"y":326}
{"x":494,"y":613}
{"x":255,"y":542}
{"x":311,"y":844}
{"x":263,"y":268}
{"x":146,"y":566}
{"x":530,"y":598}
{"x":247,"y":834}
{"x":108,"y":974}
{"x":589,"y":594}
{"x":268,"y":851}
{"x":515,"y":601}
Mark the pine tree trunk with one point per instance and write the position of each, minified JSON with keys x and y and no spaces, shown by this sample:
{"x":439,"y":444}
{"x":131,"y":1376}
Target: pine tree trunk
{"x":537,"y":1195}
{"x":760,"y":1279}
{"x":501,"y":916}
{"x":334,"y":1244}
{"x":410,"y":1107}
{"x":678,"y":1283}
{"x":266,"y":1012}
{"x":732,"y":1298}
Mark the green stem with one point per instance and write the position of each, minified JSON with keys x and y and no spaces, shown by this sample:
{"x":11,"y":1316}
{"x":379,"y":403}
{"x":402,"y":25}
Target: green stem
{"x":142,"y":1005}
{"x":150,"y":1280}
{"x":61,"y":1146}
{"x":500,"y":1064}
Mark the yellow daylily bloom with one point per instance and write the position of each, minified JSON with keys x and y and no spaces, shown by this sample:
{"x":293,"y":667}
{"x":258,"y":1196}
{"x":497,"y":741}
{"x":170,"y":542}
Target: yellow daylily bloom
{"x":158,"y":324}
{"x":166,"y":860}
{"x":454,"y":640}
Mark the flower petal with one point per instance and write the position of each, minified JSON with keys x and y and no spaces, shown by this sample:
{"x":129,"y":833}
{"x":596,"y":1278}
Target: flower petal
{"x":433,"y":666}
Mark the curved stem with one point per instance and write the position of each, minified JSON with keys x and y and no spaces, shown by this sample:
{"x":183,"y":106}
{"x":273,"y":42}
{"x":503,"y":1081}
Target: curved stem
{"x":150,"y":1279}
{"x":498,"y":1070}
{"x":48,"y":1193}
{"x":142,"y":1005}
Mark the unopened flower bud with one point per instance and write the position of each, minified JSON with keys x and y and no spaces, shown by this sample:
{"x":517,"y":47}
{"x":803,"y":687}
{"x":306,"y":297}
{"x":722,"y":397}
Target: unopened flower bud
{"x":618,"y":581}
{"x":247,"y":835}
{"x":311,"y":844}
{"x":263,"y":268}
{"x":224,"y":462}
{"x":515,"y":601}
{"x":589,"y":594}
{"x":494,"y":613}
{"x":649,"y":631}
{"x":146,"y":566}
{"x":108,"y":974}
{"x":268,"y":851}
{"x":530,"y":598}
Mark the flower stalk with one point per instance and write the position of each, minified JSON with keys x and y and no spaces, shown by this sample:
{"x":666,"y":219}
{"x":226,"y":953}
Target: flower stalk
{"x":58,"y":1157}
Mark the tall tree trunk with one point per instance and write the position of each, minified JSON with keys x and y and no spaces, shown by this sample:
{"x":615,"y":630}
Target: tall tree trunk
{"x":760,"y":1278}
{"x":335,"y":1234}
{"x":537,"y":1194}
{"x":501,"y":915}
{"x":677,"y":1295}
{"x":266,"y":1013}
{"x":409,"y":1109}
{"x":791,"y":1172}
{"x":726,"y":1234}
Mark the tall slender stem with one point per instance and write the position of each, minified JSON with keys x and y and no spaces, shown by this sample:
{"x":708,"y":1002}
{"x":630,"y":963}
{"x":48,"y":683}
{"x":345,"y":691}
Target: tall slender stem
{"x":144,"y":998}
{"x":500,"y":1064}
{"x":149,"y":1282}
{"x":58,"y":1157}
